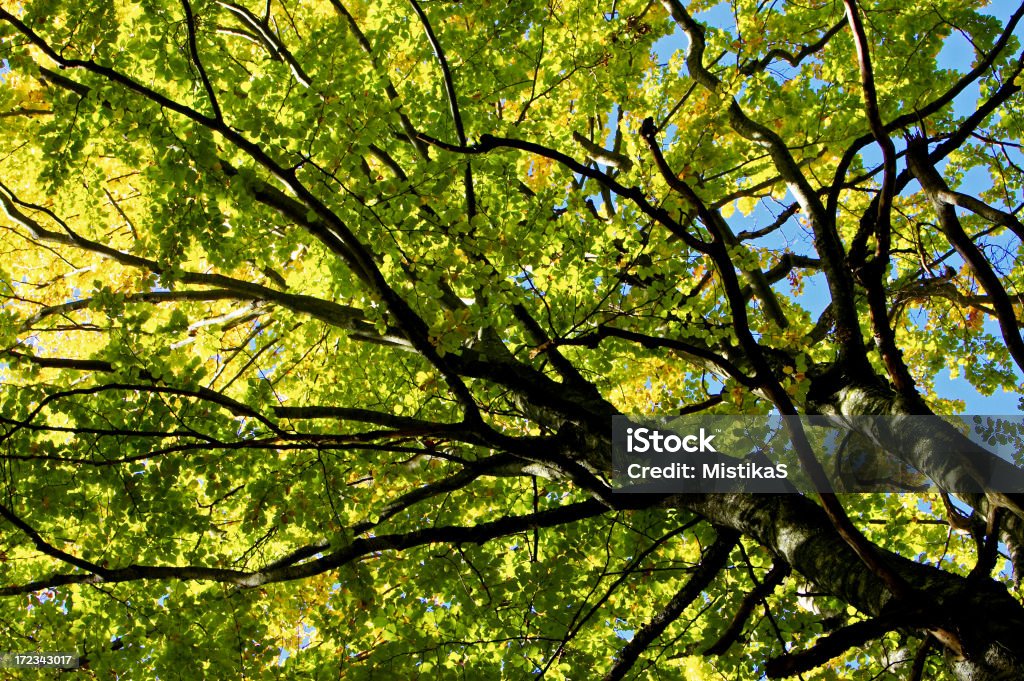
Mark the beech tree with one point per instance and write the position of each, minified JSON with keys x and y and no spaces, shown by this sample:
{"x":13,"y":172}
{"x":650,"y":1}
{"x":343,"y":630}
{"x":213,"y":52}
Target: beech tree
{"x":315,"y":317}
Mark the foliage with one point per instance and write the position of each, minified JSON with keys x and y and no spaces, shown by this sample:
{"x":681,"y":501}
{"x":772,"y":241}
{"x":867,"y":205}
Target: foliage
{"x":315,"y":316}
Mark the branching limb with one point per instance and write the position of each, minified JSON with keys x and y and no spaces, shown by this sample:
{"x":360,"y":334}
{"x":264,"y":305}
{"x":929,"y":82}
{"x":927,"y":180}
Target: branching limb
{"x":933,"y":185}
{"x":990,"y":213}
{"x":867,"y":79}
{"x":826,"y":239}
{"x":783,"y":217}
{"x":324,"y":224}
{"x":290,"y":571}
{"x":805,"y":51}
{"x":389,"y":88}
{"x":253,"y":38}
{"x":445,"y":485}
{"x":703,"y":354}
{"x":988,"y":552}
{"x":45,"y":547}
{"x":716,"y":223}
{"x":580,"y":617}
{"x":873,"y":271}
{"x":562,"y":365}
{"x":635,"y":194}
{"x":204,"y":394}
{"x":268,"y":39}
{"x":471,"y":472}
{"x":601,"y":155}
{"x":759,"y":593}
{"x":983,"y":64}
{"x":832,"y":646}
{"x":453,"y":103}
{"x":765,"y":379}
{"x":155,"y":297}
{"x":710,"y":565}
{"x":327,"y":311}
{"x":789,"y":262}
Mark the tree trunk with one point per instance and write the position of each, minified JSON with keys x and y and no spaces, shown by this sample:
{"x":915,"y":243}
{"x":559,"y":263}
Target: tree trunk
{"x":980,"y":611}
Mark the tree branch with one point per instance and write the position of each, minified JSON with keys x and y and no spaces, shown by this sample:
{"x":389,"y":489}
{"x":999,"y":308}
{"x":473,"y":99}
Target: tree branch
{"x":289,"y":571}
{"x":759,"y":593}
{"x":833,"y":645}
{"x":194,"y":51}
{"x":935,"y":187}
{"x":711,"y":564}
{"x":926,"y":111}
{"x":635,"y":194}
{"x":453,"y":103}
{"x":805,"y":51}
{"x":719,"y":362}
{"x":389,"y":87}
{"x":873,"y":273}
{"x":826,"y":239}
{"x":267,"y":38}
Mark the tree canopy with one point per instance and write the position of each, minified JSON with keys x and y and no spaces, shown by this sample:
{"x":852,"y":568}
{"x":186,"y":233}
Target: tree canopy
{"x":315,"y":317}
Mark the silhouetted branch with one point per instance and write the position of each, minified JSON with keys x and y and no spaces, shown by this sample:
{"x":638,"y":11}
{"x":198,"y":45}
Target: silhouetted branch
{"x":710,"y":565}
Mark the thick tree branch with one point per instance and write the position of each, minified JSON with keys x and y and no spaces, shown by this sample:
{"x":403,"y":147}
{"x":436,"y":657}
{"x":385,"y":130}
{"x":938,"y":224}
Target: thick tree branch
{"x":935,"y":187}
{"x":155,"y":297}
{"x":765,"y":379}
{"x":975,"y":205}
{"x":834,"y":645}
{"x":45,"y":547}
{"x":873,"y":272}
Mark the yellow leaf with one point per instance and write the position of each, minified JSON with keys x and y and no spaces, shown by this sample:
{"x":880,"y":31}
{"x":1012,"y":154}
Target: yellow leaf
{"x":747,"y":204}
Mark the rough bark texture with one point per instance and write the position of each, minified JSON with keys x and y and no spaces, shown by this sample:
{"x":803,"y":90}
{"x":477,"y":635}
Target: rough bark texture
{"x":984,"y":615}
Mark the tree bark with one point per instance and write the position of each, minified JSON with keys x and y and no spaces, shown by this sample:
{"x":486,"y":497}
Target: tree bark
{"x":984,"y":615}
